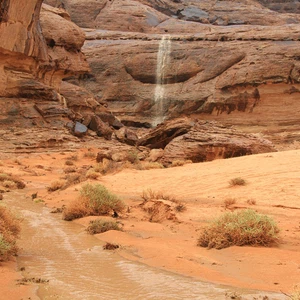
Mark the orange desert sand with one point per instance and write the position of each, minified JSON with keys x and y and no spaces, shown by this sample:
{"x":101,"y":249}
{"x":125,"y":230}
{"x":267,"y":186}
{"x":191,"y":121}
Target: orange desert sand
{"x":272,"y":184}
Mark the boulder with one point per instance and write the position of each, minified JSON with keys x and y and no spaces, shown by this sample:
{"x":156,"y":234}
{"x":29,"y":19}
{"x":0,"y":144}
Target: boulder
{"x":208,"y":140}
{"x":155,"y":154}
{"x":125,"y":135}
{"x":160,"y":136}
{"x":101,"y":128}
{"x":80,"y":130}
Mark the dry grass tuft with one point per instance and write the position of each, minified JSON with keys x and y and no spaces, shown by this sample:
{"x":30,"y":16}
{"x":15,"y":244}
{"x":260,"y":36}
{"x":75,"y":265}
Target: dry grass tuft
{"x":151,"y":165}
{"x":132,"y":156}
{"x":92,"y":174}
{"x":180,"y":207}
{"x":179,"y":163}
{"x":9,"y":232}
{"x":110,"y":246}
{"x":296,"y":293}
{"x":239,"y":228}
{"x":237,"y":181}
{"x":11,"y":181}
{"x":9,"y":184}
{"x":69,"y":163}
{"x":229,"y":201}
{"x":70,"y":170}
{"x":251,"y":202}
{"x":94,"y":200}
{"x":90,"y":155}
{"x":73,"y":157}
{"x":56,"y":185}
{"x":149,"y":194}
{"x":100,"y":226}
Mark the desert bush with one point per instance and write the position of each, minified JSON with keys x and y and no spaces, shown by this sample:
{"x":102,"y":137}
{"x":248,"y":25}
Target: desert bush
{"x":94,"y":200}
{"x":9,"y":232}
{"x":70,"y":170}
{"x":228,"y":202}
{"x":9,"y":184}
{"x":237,"y":181}
{"x":149,"y":194}
{"x":11,"y":181}
{"x":89,"y":154}
{"x":179,"y":163}
{"x":180,"y":207}
{"x":152,"y":165}
{"x":100,"y":226}
{"x":296,"y":293}
{"x":239,"y":228}
{"x":69,"y":163}
{"x":73,"y":157}
{"x":56,"y":185}
{"x":109,"y":166}
{"x":251,"y":201}
{"x":92,"y":174}
{"x":110,"y":246}
{"x":132,"y":156}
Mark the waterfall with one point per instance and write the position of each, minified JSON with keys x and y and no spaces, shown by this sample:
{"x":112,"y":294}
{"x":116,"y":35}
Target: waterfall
{"x":163,"y":60}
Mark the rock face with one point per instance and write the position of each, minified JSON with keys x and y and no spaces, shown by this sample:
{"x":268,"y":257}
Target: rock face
{"x":149,"y":61}
{"x":35,"y":56}
{"x":231,"y":61}
{"x":201,"y":141}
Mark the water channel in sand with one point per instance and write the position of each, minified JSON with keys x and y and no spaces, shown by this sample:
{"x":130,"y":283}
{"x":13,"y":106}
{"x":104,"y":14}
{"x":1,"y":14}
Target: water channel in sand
{"x":78,"y":268}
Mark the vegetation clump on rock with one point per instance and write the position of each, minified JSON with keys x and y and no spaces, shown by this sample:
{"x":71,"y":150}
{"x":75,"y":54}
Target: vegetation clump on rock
{"x":239,"y":228}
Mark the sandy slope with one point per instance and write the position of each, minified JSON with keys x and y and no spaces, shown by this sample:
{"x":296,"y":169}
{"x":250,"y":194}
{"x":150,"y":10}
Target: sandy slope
{"x":272,"y":182}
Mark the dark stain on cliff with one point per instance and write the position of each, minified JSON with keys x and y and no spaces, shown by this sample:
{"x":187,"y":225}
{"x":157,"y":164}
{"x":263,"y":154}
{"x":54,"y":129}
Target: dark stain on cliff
{"x":4,"y":5}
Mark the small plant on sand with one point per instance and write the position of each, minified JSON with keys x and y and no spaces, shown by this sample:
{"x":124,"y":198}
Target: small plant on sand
{"x":9,"y":184}
{"x":251,"y":201}
{"x":70,"y":170}
{"x":69,"y":163}
{"x":56,"y":185}
{"x":92,"y":174}
{"x":149,"y":194}
{"x":296,"y":293}
{"x":108,"y":167}
{"x":73,"y":157}
{"x":11,"y":181}
{"x":9,"y":232}
{"x":90,"y":155}
{"x":110,"y":246}
{"x":132,"y":156}
{"x":180,"y":207}
{"x":99,"y":226}
{"x":94,"y":200}
{"x":229,"y":201}
{"x":237,"y":181}
{"x":239,"y":228}
{"x":151,"y":165}
{"x":179,"y":163}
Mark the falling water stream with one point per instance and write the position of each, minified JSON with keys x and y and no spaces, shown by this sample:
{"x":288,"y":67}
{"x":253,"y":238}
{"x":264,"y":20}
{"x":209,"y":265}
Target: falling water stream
{"x":77,"y":267}
{"x":162,"y":63}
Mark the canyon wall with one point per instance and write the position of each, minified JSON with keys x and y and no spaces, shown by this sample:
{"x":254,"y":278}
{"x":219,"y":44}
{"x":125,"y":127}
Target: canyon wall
{"x":36,"y":54}
{"x":232,"y":61}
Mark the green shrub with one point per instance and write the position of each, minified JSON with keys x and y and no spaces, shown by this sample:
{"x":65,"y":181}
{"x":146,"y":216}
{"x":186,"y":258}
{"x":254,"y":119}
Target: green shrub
{"x":239,"y":228}
{"x":100,"y":226}
{"x":9,"y":232}
{"x":94,"y":200}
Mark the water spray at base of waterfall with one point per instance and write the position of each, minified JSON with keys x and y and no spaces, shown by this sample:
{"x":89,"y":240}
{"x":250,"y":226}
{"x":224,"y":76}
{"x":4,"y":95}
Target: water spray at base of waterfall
{"x":163,"y":60}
